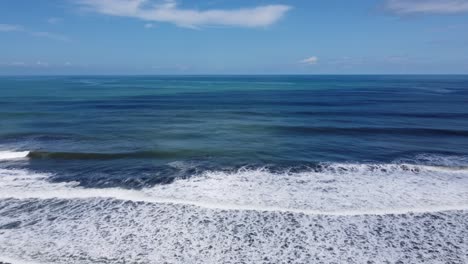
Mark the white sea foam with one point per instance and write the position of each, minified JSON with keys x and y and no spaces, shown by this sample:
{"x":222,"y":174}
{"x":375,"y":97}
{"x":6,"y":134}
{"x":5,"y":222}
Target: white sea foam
{"x":343,"y":213}
{"x":8,"y":155}
{"x":337,"y":189}
{"x":97,"y":230}
{"x":5,"y":259}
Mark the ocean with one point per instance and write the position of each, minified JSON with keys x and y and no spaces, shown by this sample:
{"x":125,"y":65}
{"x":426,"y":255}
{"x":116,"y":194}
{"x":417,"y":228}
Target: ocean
{"x":234,"y":169}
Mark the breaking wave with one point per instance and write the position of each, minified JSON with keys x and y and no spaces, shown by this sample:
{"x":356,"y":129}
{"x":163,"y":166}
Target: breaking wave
{"x":10,"y":155}
{"x":334,"y":188}
{"x":377,"y":212}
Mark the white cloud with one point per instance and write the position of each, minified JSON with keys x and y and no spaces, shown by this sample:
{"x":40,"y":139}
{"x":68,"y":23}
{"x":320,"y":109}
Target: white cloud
{"x":18,"y":63}
{"x":310,"y":60}
{"x":10,"y":28}
{"x":50,"y":35}
{"x":54,"y":20}
{"x":44,"y":34}
{"x":427,"y":6}
{"x":397,"y":59}
{"x":168,"y":11}
{"x":149,"y":25}
{"x":37,"y":64}
{"x":42,"y":64}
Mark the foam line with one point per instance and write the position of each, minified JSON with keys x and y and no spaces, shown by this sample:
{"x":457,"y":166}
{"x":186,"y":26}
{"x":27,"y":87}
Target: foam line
{"x":135,"y":196}
{"x":358,"y":191}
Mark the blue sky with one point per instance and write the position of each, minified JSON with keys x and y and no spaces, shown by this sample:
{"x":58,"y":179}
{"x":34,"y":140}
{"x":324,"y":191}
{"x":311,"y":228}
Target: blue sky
{"x":233,"y":37}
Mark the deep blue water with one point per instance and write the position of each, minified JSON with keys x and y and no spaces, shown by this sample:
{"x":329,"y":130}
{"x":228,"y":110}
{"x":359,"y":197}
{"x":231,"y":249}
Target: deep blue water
{"x":346,"y":145}
{"x":105,"y":130}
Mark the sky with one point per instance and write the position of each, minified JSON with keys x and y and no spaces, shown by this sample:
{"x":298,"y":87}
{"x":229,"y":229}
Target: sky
{"x":66,"y":37}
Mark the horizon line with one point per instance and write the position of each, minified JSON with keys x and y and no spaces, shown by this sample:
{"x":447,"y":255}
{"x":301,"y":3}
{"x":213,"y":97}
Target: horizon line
{"x":238,"y":74}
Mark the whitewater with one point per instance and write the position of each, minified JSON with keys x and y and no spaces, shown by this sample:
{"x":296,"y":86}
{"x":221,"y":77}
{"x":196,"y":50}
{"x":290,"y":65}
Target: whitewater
{"x":229,"y":216}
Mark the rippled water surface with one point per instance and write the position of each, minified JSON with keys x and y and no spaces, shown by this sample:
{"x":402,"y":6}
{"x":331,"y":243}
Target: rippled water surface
{"x":234,"y":169}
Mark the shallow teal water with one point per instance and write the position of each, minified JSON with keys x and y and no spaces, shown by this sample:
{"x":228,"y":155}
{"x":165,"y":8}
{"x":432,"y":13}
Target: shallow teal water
{"x":111,"y":169}
{"x":143,"y":122}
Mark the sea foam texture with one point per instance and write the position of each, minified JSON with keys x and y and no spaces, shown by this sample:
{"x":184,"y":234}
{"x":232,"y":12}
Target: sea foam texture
{"x":9,"y":155}
{"x":98,"y":230}
{"x":337,"y":189}
{"x":341,"y":213}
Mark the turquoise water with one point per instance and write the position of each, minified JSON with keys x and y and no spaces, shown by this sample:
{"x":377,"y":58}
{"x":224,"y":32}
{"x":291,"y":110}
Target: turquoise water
{"x":122,"y":164}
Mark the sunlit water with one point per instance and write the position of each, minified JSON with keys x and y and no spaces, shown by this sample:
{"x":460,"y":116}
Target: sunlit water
{"x":234,"y":169}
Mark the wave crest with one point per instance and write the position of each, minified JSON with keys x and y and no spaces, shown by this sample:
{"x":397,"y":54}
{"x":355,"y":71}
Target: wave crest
{"x":333,"y":188}
{"x":9,"y":155}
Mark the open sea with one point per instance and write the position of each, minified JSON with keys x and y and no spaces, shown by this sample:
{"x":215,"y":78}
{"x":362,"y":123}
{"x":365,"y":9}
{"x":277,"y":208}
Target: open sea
{"x":234,"y":169}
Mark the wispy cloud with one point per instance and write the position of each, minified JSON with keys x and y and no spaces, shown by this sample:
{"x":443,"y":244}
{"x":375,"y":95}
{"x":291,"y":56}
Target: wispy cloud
{"x":311,"y":60}
{"x":37,"y":64}
{"x":403,"y":7}
{"x":177,"y":68}
{"x":149,"y":25}
{"x":42,"y":64}
{"x":44,"y":34}
{"x":18,"y":63}
{"x":397,"y":59}
{"x":169,"y":11}
{"x":54,"y":20}
{"x":10,"y":28}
